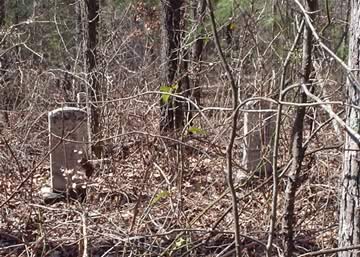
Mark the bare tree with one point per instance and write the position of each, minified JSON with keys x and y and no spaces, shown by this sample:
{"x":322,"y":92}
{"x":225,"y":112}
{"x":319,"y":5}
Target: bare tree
{"x":4,"y":119}
{"x":3,"y":115}
{"x":87,"y":15}
{"x":297,"y":138}
{"x":2,"y":12}
{"x":199,"y":8}
{"x":79,"y":34}
{"x":171,"y":16}
{"x":91,"y":55}
{"x":349,"y":222}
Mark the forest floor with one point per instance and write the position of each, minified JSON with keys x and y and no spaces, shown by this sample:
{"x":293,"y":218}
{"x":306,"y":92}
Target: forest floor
{"x":158,"y":200}
{"x":156,"y":197}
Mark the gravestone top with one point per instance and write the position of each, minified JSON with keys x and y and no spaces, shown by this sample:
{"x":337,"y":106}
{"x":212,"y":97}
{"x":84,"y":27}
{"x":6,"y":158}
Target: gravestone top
{"x":64,"y":110}
{"x":68,"y":133}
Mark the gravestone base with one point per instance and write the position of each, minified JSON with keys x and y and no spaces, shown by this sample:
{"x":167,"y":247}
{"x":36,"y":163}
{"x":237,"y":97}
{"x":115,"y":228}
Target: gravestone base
{"x":51,"y":197}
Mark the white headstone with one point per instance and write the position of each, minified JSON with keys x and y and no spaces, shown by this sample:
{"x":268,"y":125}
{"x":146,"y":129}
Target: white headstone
{"x":81,"y":98}
{"x":259,"y":130}
{"x":68,"y":142}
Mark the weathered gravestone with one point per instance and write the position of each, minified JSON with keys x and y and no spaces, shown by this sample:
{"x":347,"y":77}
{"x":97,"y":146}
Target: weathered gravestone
{"x":81,"y":98}
{"x":259,"y":130}
{"x":68,"y":145}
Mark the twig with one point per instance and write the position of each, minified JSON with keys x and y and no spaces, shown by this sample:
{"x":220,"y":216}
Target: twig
{"x":327,"y":49}
{"x":28,"y":176}
{"x":332,"y":114}
{"x":297,"y":135}
{"x":263,"y":183}
{"x":20,"y":167}
{"x":37,"y":166}
{"x":233,"y":130}
{"x":85,"y":237}
{"x":332,"y":250}
{"x":112,"y":248}
{"x":276,"y":142}
{"x":230,"y":207}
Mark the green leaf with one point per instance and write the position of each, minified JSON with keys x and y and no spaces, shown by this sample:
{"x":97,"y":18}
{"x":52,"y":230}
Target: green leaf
{"x":161,"y":195}
{"x":206,"y":39}
{"x":179,"y":243}
{"x":195,"y":130}
{"x":167,"y":89}
{"x":231,"y":26}
{"x":165,"y":97}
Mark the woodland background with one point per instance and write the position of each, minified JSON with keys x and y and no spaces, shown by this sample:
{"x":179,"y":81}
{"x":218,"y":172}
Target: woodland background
{"x":167,"y":189}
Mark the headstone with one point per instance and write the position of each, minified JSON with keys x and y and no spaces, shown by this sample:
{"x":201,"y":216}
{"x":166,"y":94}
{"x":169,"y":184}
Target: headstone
{"x":4,"y":120}
{"x":68,"y":144}
{"x":81,"y":98}
{"x":259,"y":128}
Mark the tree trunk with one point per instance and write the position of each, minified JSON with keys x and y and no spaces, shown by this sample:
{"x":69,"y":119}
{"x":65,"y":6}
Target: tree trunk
{"x":170,"y":51}
{"x":4,"y":119}
{"x":186,"y":88}
{"x":91,"y":57}
{"x":349,"y":218}
{"x":79,"y":34}
{"x":2,"y":12}
{"x":199,"y":8}
{"x":297,"y":140}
